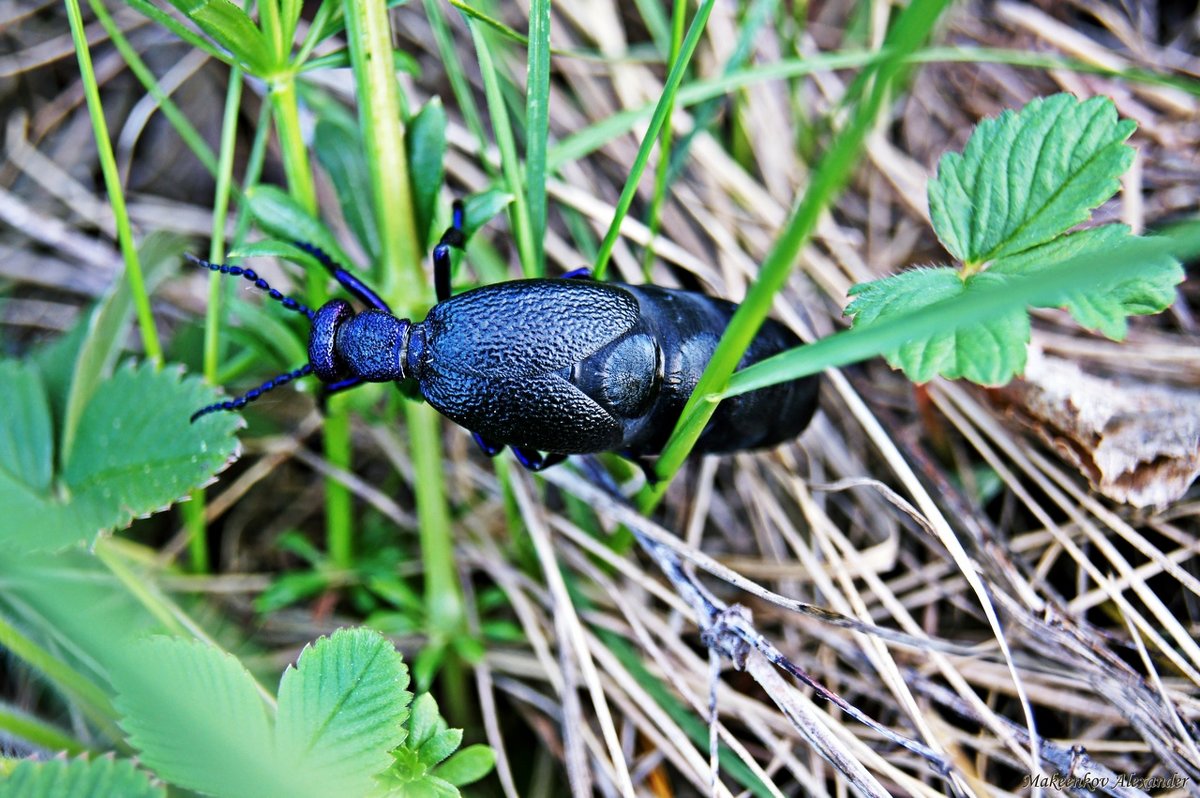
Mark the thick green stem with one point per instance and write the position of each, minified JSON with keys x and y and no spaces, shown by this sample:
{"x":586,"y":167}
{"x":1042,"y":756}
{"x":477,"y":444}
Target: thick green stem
{"x":443,"y":597}
{"x":286,"y":109}
{"x":369,"y":36}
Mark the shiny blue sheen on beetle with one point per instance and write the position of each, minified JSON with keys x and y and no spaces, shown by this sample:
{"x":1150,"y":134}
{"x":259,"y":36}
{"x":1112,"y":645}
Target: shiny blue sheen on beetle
{"x":549,"y":367}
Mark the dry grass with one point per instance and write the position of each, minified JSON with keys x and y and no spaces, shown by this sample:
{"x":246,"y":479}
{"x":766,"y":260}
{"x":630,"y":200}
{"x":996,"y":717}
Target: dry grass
{"x":1080,"y":615}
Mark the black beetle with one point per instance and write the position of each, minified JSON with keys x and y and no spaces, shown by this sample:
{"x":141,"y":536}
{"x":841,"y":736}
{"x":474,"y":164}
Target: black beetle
{"x":562,"y":366}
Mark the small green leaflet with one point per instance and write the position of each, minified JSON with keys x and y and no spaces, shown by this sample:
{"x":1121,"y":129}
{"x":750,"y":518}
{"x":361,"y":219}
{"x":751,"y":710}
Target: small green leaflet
{"x":988,"y":354}
{"x":427,"y":762}
{"x":134,"y":453}
{"x":199,"y":720}
{"x":1004,"y":208}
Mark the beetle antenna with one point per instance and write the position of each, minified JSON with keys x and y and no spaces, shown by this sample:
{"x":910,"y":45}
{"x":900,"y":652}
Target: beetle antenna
{"x":250,"y":396}
{"x":259,"y":283}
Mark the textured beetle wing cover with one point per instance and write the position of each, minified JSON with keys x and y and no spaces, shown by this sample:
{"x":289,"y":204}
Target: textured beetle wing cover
{"x":544,"y":412}
{"x":1135,"y":442}
{"x":526,"y":327}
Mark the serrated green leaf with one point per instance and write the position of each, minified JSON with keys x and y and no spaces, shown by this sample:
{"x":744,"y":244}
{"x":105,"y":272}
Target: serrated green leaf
{"x":441,"y":745}
{"x":229,"y":26}
{"x":284,"y":218}
{"x":426,"y":148}
{"x":1150,"y":287}
{"x":342,"y":708}
{"x":989,"y":354}
{"x":1028,"y":176}
{"x":467,"y":766}
{"x":198,"y":719}
{"x":340,"y":150}
{"x":78,"y":778}
{"x":135,"y":454}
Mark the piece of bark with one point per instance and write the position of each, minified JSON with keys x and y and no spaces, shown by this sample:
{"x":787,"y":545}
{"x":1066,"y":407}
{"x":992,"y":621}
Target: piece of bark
{"x":1136,"y":442}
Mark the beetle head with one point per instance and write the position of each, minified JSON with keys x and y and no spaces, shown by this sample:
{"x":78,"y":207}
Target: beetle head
{"x":369,"y":346}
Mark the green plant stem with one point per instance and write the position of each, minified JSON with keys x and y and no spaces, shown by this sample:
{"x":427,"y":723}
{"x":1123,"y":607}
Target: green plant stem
{"x":459,"y":83}
{"x":339,"y":535}
{"x":112,"y":183}
{"x":828,"y":179}
{"x":369,"y":36}
{"x":665,"y":104}
{"x":443,"y":597}
{"x":272,"y":28}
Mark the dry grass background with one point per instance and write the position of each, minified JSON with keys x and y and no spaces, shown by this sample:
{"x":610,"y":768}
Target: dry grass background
{"x":1098,"y":603}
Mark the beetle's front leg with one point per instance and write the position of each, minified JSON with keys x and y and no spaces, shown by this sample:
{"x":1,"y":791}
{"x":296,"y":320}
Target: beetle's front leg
{"x":355,"y":286}
{"x":454,"y":237}
{"x":533,"y":460}
{"x":330,"y":388}
{"x":582,"y":273}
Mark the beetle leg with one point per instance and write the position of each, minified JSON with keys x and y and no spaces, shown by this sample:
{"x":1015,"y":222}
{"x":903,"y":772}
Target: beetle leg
{"x":335,"y":387}
{"x":486,"y":446}
{"x":347,"y":280}
{"x":454,"y":237}
{"x":582,"y":273}
{"x":533,"y":460}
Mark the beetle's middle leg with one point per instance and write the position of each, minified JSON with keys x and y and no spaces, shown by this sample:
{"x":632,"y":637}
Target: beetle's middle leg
{"x":533,"y":460}
{"x":347,"y":280}
{"x":454,"y":237}
{"x":487,"y":447}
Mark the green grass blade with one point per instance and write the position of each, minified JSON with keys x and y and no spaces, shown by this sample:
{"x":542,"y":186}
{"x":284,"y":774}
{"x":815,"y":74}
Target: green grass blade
{"x":913,"y":25}
{"x":459,"y":82}
{"x":186,"y":130}
{"x":537,"y":129}
{"x":510,"y":164}
{"x":112,"y":183}
{"x":665,"y":104}
{"x":664,"y":145}
{"x":1088,"y":273}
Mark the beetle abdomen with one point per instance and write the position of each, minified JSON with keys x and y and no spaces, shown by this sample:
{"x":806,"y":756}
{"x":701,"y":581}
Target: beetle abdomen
{"x":686,"y":327}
